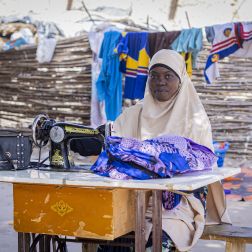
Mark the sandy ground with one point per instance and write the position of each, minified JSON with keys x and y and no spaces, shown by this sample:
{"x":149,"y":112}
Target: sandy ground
{"x":240,"y":212}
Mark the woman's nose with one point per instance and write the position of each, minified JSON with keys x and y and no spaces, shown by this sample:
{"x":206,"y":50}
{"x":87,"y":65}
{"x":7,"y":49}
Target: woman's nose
{"x":162,"y":80}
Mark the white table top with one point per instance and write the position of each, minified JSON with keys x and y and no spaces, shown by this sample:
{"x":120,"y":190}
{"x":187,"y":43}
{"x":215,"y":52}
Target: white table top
{"x":188,"y":182}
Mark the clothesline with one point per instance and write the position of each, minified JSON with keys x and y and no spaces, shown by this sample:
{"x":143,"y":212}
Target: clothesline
{"x":132,"y":51}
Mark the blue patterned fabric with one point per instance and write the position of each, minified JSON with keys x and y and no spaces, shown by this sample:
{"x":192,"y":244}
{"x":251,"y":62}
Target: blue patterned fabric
{"x":162,"y":157}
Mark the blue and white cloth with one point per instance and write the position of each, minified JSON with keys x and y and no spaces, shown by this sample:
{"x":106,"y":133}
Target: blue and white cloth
{"x":230,"y":38}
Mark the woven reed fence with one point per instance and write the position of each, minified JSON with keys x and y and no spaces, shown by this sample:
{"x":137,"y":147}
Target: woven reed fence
{"x":228,"y":102}
{"x":62,"y":89}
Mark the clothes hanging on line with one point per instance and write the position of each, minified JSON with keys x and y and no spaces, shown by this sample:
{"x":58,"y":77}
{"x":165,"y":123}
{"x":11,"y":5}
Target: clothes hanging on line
{"x":161,"y":40}
{"x":134,"y":51}
{"x":188,"y":61}
{"x":109,"y":83}
{"x":227,"y":39}
{"x":189,"y":40}
{"x":134,"y":60}
{"x":245,"y":50}
{"x":164,"y":40}
{"x":97,"y":113}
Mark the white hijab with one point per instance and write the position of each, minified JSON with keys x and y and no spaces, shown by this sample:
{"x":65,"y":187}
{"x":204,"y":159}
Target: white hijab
{"x":183,"y":115}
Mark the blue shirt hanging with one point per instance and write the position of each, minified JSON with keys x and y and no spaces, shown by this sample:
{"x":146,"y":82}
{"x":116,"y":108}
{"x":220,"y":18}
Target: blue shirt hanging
{"x":109,"y":83}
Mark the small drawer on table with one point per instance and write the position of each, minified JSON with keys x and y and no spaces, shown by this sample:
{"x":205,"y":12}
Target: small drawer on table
{"x":73,"y":211}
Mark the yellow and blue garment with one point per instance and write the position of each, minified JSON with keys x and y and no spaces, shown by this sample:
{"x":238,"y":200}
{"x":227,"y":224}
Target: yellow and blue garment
{"x":134,"y":60}
{"x":188,"y":61}
{"x":109,"y":83}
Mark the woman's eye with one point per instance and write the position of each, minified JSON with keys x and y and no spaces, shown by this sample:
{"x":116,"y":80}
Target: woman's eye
{"x":153,"y":76}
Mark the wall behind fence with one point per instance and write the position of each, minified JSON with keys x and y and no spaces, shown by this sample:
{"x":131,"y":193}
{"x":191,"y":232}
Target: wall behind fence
{"x":62,"y":89}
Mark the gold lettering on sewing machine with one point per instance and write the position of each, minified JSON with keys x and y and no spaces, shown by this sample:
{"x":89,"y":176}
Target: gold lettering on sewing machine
{"x":71,"y":129}
{"x":57,"y":158}
{"x":61,"y":208}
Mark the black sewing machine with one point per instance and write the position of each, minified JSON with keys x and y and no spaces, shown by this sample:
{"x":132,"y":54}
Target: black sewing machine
{"x":65,"y":136}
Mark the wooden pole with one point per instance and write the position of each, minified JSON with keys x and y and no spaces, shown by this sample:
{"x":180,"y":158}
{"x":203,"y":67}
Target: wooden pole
{"x":187,"y":18}
{"x":69,"y":4}
{"x":157,"y":220}
{"x":173,"y":9}
{"x":85,"y":8}
{"x":140,"y":221}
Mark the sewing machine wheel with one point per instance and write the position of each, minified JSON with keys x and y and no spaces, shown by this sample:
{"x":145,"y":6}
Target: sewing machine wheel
{"x":39,"y":135}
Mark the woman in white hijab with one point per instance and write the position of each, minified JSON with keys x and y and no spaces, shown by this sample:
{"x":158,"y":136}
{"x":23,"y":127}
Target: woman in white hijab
{"x":172,"y":106}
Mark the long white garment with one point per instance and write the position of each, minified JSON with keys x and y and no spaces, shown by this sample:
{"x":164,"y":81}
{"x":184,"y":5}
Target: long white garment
{"x":182,"y":115}
{"x":97,"y":115}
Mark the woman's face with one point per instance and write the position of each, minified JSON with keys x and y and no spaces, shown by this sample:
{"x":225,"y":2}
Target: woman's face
{"x":163,"y":83}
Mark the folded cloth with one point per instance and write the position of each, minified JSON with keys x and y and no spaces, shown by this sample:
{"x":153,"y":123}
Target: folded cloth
{"x":161,"y":157}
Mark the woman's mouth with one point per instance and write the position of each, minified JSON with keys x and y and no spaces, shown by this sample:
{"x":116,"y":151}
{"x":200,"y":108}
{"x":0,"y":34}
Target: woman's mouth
{"x":161,"y":90}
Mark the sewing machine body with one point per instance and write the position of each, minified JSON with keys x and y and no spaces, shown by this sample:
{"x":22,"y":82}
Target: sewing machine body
{"x":60,"y":134}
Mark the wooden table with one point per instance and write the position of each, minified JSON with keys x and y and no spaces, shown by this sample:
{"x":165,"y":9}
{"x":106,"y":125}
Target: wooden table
{"x":87,"y":181}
